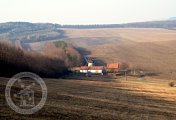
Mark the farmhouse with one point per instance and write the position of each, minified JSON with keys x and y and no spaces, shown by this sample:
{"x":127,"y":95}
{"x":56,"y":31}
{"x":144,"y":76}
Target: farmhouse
{"x":92,"y":69}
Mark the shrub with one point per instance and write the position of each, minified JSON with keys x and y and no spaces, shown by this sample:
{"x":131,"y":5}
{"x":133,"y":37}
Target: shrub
{"x":172,"y":84}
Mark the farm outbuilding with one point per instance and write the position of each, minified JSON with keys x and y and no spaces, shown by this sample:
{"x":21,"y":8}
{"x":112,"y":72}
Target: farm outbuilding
{"x":90,"y":63}
{"x":92,"y":69}
{"x":113,"y":66}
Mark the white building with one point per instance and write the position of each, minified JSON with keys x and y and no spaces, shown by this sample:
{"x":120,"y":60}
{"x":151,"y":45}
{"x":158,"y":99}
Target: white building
{"x":92,"y":69}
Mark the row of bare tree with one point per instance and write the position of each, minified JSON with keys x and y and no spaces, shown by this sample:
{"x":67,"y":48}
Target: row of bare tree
{"x":52,"y":64}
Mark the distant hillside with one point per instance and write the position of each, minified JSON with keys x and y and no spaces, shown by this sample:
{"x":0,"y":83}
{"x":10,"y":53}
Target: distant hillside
{"x":151,"y":49}
{"x":24,"y":32}
{"x":147,"y":45}
{"x":28,"y":32}
{"x":168,"y":24}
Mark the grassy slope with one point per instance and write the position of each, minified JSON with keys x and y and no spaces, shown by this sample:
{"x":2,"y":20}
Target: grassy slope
{"x":89,"y":99}
{"x":151,"y":49}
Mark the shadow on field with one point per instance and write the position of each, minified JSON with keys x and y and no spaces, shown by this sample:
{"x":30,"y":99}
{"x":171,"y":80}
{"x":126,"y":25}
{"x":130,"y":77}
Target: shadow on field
{"x":75,"y":100}
{"x":85,"y":52}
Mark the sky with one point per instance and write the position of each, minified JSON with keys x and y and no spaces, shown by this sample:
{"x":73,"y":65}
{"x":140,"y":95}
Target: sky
{"x":86,"y":11}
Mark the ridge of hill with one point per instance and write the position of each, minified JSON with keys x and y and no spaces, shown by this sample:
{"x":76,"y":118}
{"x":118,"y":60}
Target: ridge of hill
{"x":26,"y":32}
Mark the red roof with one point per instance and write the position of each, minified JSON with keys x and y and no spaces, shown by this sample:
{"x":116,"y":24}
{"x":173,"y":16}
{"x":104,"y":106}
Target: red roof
{"x":91,"y":68}
{"x":113,"y":66}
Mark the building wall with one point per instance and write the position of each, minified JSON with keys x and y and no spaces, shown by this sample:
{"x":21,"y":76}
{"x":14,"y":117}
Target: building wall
{"x":83,"y":71}
{"x":90,"y":64}
{"x":92,"y":71}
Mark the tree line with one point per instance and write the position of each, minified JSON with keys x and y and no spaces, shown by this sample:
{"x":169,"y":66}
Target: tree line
{"x":14,"y":60}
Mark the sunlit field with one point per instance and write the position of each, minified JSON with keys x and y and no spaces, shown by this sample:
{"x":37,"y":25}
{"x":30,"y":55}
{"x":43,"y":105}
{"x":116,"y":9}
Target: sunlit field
{"x":147,"y":99}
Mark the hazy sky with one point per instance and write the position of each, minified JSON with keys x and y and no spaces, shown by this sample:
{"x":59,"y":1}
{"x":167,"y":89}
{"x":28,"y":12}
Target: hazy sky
{"x":86,"y":11}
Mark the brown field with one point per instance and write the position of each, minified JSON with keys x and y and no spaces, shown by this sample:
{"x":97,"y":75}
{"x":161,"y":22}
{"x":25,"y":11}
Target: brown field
{"x":146,"y":48}
{"x":133,"y":34}
{"x":102,"y":99}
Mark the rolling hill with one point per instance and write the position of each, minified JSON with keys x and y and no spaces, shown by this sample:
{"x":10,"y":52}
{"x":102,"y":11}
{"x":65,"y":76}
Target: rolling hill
{"x":26,"y":32}
{"x":78,"y":97}
{"x":148,"y":46}
{"x":148,"y":49}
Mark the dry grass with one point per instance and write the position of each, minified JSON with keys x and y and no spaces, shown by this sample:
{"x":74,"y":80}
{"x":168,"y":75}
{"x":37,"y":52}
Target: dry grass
{"x":148,"y":49}
{"x":150,"y":99}
{"x":134,"y":34}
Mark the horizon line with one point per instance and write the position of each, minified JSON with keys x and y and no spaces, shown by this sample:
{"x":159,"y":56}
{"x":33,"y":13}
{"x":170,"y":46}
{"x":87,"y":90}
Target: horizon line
{"x":87,"y":24}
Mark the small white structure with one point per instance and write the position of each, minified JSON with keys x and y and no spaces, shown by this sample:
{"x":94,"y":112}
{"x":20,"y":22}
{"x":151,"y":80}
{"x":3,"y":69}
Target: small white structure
{"x":90,"y":64}
{"x":89,"y":61}
{"x":92,"y":69}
